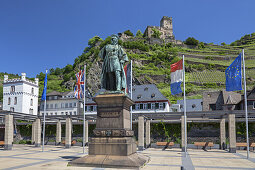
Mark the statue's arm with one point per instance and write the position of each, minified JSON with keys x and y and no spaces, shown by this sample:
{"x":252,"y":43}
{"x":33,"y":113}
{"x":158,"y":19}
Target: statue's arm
{"x":102,"y":53}
{"x":123,"y":56}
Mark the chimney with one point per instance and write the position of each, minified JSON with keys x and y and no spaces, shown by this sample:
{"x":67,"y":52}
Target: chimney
{"x":23,"y":76}
{"x":5,"y":78}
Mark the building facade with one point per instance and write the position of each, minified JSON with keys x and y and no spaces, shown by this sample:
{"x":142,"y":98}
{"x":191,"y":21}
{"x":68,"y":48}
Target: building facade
{"x":250,"y":101}
{"x":192,"y":105}
{"x":20,"y":95}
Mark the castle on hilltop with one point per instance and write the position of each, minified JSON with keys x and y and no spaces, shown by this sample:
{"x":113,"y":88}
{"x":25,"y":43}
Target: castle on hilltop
{"x":165,"y":28}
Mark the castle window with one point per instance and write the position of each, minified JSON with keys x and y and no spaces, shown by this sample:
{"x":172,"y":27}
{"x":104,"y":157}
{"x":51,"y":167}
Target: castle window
{"x":31,"y":102}
{"x":9,"y":101}
{"x":32,"y":90}
{"x":15,"y":100}
{"x":12,"y":109}
{"x":12,"y":89}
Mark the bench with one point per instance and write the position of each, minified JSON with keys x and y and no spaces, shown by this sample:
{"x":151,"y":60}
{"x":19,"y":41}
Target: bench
{"x":165,"y":144}
{"x":252,"y":145}
{"x":72,"y":143}
{"x":1,"y":143}
{"x":210,"y":144}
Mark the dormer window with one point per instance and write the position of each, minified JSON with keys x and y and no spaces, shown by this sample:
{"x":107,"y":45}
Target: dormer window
{"x":133,"y":89}
{"x":152,"y":95}
{"x":139,"y":96}
{"x":146,"y":89}
{"x":193,"y":106}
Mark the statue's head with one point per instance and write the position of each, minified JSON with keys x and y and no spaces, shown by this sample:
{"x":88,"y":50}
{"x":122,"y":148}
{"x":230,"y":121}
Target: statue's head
{"x":114,"y":39}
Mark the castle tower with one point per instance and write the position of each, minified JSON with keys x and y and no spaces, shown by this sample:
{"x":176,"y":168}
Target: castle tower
{"x":166,"y":26}
{"x":20,"y":95}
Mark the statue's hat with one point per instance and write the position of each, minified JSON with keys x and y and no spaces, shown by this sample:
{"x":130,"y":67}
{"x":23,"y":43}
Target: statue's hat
{"x":114,"y":35}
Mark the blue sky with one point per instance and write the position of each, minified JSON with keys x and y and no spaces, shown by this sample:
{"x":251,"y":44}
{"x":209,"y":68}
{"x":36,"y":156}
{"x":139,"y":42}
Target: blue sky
{"x":40,"y":34}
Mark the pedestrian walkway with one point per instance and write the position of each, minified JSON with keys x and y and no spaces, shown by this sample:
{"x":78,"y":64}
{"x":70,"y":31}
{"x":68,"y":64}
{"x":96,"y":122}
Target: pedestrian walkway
{"x":56,"y":157}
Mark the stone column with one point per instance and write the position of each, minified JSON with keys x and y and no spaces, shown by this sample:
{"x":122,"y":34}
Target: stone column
{"x":232,"y":133}
{"x":183,"y":133}
{"x":68,"y":137}
{"x":8,"y":136}
{"x":38,"y":132}
{"x":222,"y":134}
{"x":58,"y":133}
{"x":33,"y":133}
{"x":86,"y":131}
{"x":148,"y":133}
{"x":140,"y":133}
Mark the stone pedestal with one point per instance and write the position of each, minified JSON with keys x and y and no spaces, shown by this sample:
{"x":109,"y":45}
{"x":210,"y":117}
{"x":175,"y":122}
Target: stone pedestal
{"x":58,"y":133}
{"x":148,"y":133}
{"x":222,"y":134}
{"x":232,"y":133}
{"x":113,"y":144}
{"x":8,"y":134}
{"x":140,"y":133}
{"x":68,"y":137}
{"x":38,"y":130}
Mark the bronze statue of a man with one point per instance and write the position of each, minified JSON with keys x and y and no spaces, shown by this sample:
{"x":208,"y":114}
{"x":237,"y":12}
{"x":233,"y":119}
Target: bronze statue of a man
{"x":113,"y":77}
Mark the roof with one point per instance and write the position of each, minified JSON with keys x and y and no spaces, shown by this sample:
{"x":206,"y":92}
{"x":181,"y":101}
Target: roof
{"x":191,"y":105}
{"x":54,"y":93}
{"x":147,"y":92}
{"x":230,"y":97}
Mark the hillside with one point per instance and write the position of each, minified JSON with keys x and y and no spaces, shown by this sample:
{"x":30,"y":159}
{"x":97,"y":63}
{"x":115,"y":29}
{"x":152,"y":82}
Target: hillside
{"x":205,"y":65}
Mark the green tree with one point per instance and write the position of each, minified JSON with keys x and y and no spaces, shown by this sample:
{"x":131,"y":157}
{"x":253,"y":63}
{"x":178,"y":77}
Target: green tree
{"x":58,"y":71}
{"x":156,"y":33}
{"x":191,"y":41}
{"x":92,"y":42}
{"x":139,"y":34}
{"x":223,"y":44}
{"x":68,"y":68}
{"x":129,"y":33}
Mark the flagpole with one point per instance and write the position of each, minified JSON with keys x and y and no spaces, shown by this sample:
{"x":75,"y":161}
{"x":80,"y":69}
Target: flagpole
{"x":84,"y":119}
{"x":131,"y":95}
{"x":44,"y":116}
{"x":245,"y":105}
{"x":184,"y":106}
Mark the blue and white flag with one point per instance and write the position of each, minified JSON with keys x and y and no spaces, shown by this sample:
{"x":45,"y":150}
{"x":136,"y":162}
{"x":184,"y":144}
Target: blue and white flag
{"x":176,"y":77}
{"x":44,"y":88}
{"x":234,"y":75}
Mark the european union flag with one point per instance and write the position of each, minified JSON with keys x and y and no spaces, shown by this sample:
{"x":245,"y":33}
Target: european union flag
{"x":44,"y":88}
{"x":234,"y":75}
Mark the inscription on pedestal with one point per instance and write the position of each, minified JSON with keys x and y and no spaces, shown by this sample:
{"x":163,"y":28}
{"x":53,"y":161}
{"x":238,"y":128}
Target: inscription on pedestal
{"x":109,"y":114}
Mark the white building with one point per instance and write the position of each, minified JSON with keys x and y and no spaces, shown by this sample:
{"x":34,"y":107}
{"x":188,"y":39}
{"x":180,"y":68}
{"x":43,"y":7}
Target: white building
{"x":20,"y":95}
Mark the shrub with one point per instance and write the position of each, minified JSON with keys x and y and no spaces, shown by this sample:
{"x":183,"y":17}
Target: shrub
{"x":139,"y":34}
{"x":191,"y":41}
{"x":129,"y":33}
{"x":156,"y":33}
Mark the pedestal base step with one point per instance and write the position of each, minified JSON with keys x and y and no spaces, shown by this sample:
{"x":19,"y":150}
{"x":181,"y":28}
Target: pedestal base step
{"x":134,"y":161}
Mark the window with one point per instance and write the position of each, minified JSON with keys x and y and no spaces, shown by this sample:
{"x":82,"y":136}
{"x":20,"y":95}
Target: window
{"x":31,"y":102}
{"x":193,"y":106}
{"x":74,"y":104}
{"x":62,"y":105}
{"x":42,"y":106}
{"x":253,"y":105}
{"x":32,"y":90}
{"x":62,"y":113}
{"x":47,"y":114}
{"x":91,"y":108}
{"x":74,"y":112}
{"x":50,"y":97}
{"x":137,"y":107}
{"x":51,"y":114}
{"x":70,"y":104}
{"x":145,"y":106}
{"x":66,"y":105}
{"x":85,"y":108}
{"x":55,"y":97}
{"x":141,"y":106}
{"x":70,"y":113}
{"x":56,"y":105}
{"x":15,"y":100}
{"x":51,"y":106}
{"x":133,"y":107}
{"x":146,"y":89}
{"x":139,"y":96}
{"x":56,"y":113}
{"x":156,"y":105}
{"x":152,"y":106}
{"x":152,"y":95}
{"x":9,"y":101}
{"x":164,"y":105}
{"x":47,"y":106}
{"x":88,"y":108}
{"x":212,"y":106}
{"x":149,"y":106}
{"x":161,"y":106}
{"x":12,"y":109}
{"x":12,"y":89}
{"x":95,"y":108}
{"x":66,"y":113}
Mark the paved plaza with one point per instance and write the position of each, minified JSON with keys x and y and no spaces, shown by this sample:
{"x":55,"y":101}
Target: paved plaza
{"x":56,"y":157}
